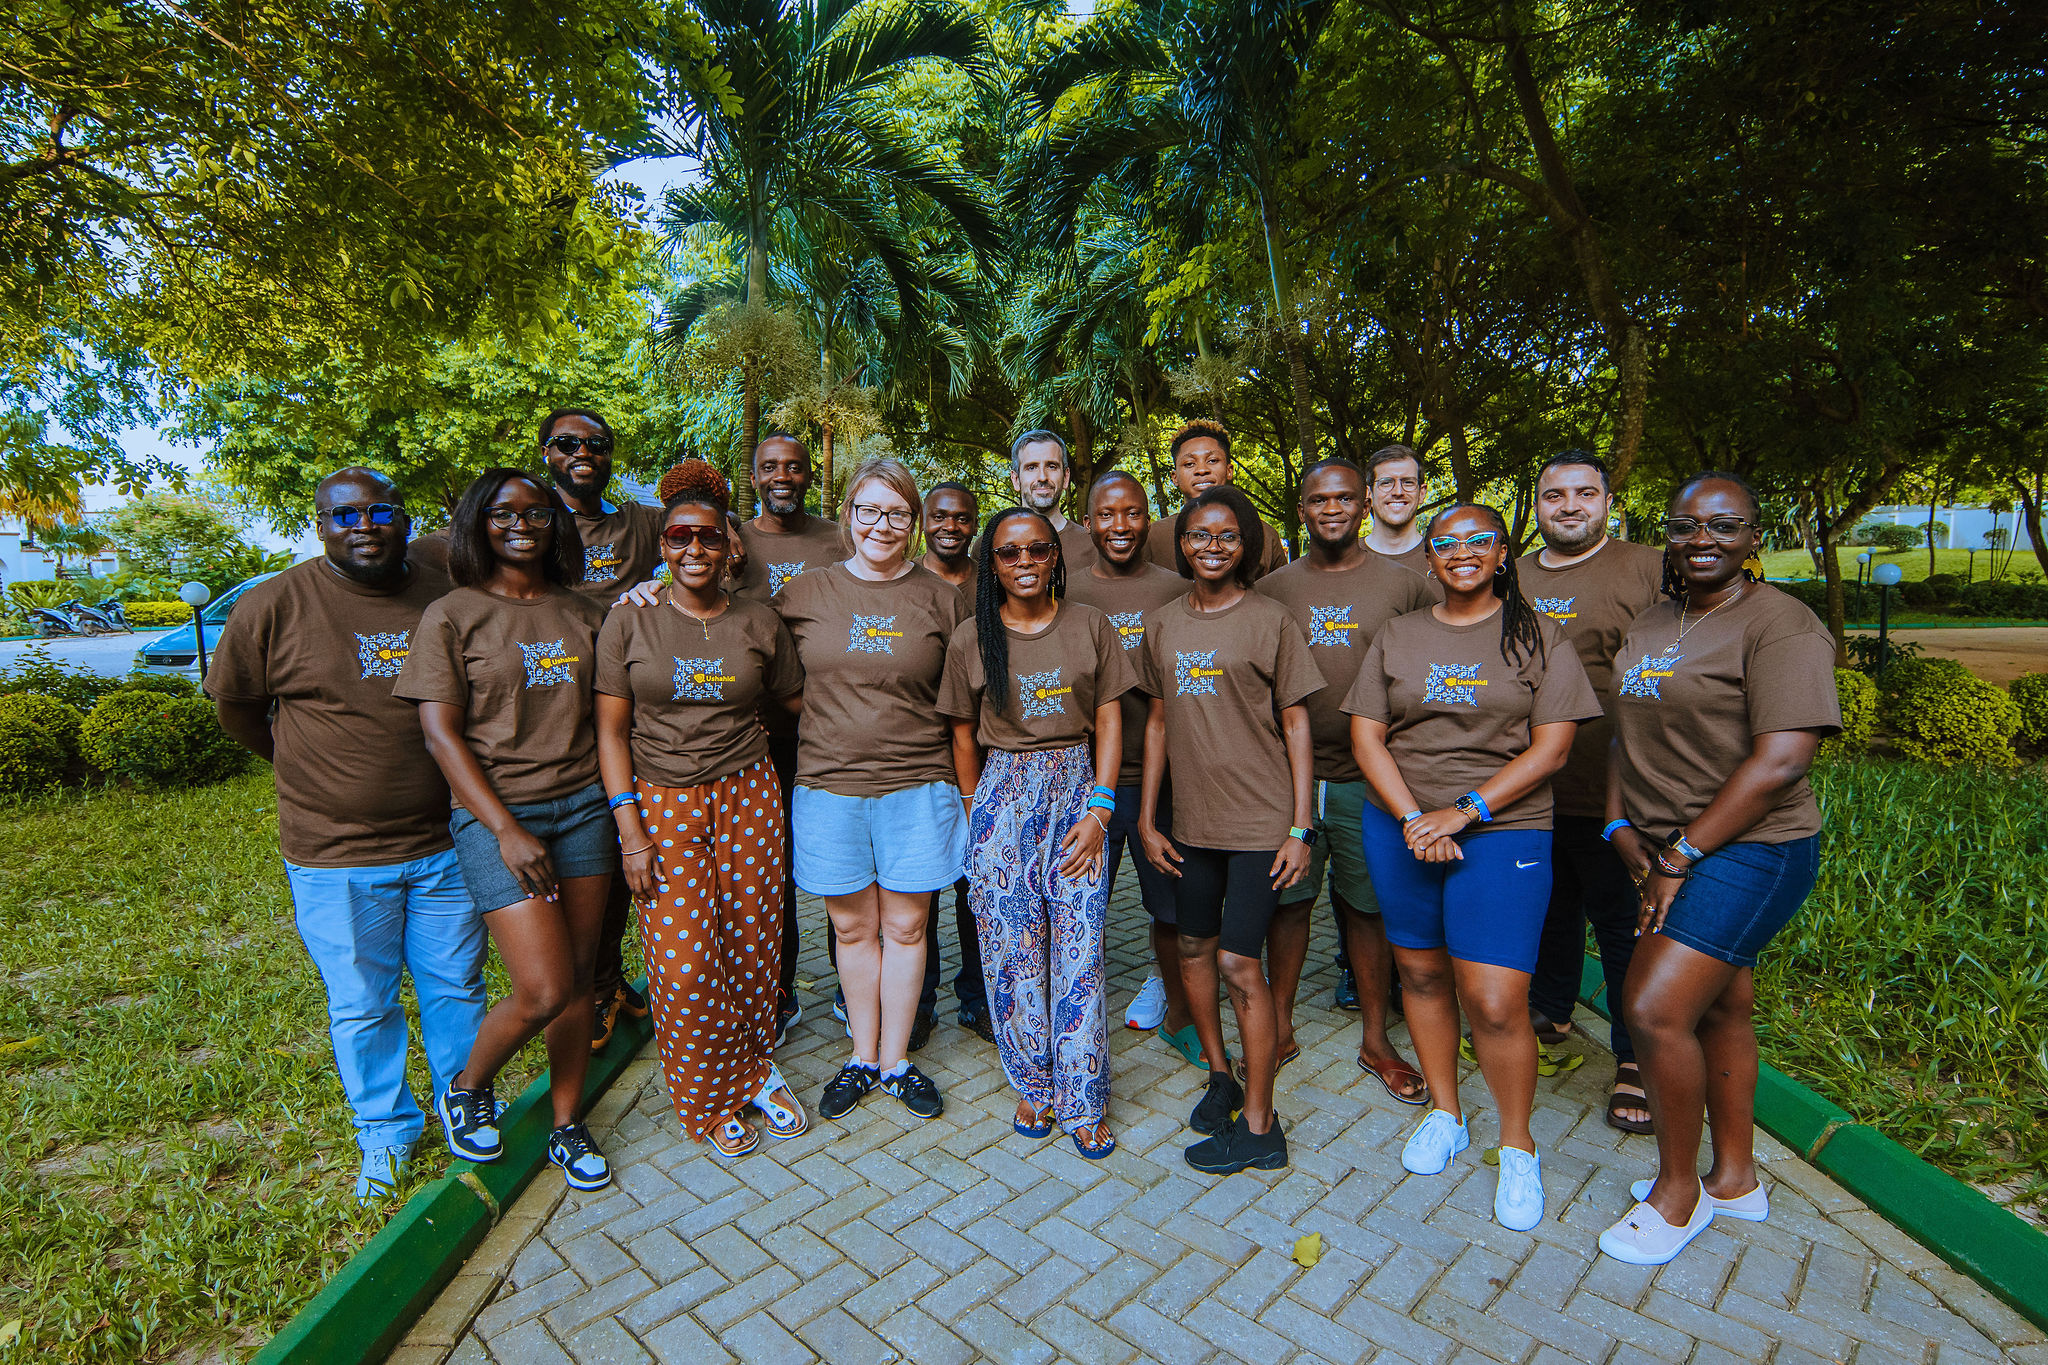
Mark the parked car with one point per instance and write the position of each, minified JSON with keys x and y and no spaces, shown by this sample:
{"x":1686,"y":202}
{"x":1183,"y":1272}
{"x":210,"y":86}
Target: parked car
{"x":173,"y":651}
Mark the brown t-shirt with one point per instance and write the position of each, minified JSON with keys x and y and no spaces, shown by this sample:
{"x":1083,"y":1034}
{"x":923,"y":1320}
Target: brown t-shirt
{"x":355,"y":787}
{"x":1457,"y":712}
{"x":872,"y":656}
{"x":1057,"y":679}
{"x":1415,"y":560}
{"x":621,"y":547}
{"x":696,"y":688}
{"x":1159,"y":550}
{"x":1224,"y":678}
{"x":1339,"y":614}
{"x":1077,"y":547}
{"x":1125,"y":601}
{"x":1593,"y":600}
{"x":775,"y":559}
{"x":1687,"y":711}
{"x":521,"y":670}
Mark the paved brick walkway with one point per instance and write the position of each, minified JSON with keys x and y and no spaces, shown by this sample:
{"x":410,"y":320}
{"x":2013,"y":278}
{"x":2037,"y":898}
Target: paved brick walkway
{"x":882,"y":1238}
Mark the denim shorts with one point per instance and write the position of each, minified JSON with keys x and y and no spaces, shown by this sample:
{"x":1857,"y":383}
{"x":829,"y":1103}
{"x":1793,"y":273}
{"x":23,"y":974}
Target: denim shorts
{"x":1740,"y":896}
{"x":913,"y":841}
{"x":1486,"y":907}
{"x":1339,"y":848}
{"x":582,"y":840}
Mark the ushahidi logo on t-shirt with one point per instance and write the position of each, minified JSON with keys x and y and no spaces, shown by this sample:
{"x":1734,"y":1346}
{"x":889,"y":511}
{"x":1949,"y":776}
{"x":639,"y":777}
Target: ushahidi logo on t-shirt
{"x":1130,"y":627}
{"x":1041,"y":693}
{"x":1195,"y":673}
{"x":382,"y":654}
{"x":1331,"y":627}
{"x":1556,"y":608}
{"x":547,"y":664}
{"x":701,"y":679}
{"x":601,"y":562}
{"x":1454,"y":685}
{"x":873,"y":635}
{"x":778,"y":574}
{"x":1645,"y":677}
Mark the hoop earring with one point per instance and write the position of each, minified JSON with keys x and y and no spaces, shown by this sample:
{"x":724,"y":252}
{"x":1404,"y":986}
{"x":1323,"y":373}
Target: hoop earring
{"x":1500,"y":569}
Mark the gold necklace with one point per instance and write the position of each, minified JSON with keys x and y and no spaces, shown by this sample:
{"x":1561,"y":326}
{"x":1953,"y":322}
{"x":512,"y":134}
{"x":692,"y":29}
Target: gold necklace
{"x":700,"y":620}
{"x":1683,"y":627}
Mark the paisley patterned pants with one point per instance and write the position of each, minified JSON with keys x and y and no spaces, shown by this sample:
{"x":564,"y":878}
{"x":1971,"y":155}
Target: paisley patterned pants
{"x":1041,"y":933}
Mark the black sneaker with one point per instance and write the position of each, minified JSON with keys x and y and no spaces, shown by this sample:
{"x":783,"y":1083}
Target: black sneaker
{"x":601,"y":1026}
{"x":921,"y":1029}
{"x":916,"y":1091}
{"x":1347,"y":990}
{"x":974,"y":1018}
{"x":1238,"y":1148}
{"x":583,"y":1166}
{"x":471,"y":1118}
{"x":843,"y":1091}
{"x":1223,"y":1098}
{"x":787,"y":1016}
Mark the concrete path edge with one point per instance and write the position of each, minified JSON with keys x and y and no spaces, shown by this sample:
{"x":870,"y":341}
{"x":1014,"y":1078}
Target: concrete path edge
{"x":369,"y":1305}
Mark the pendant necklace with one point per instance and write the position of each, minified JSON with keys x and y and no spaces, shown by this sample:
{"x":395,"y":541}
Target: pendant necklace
{"x":1683,"y":627}
{"x":700,"y":620}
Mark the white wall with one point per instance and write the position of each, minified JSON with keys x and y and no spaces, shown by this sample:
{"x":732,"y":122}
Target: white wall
{"x":1957,"y":528}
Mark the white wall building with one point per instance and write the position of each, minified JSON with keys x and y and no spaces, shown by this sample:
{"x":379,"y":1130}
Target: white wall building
{"x":1958,"y":528}
{"x":21,"y":558}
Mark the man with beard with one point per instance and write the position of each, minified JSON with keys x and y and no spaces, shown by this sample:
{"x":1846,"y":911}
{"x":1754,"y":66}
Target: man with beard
{"x":1123,"y":586}
{"x":1039,"y":473}
{"x":362,"y":814}
{"x":1593,"y":586}
{"x":1340,"y":594}
{"x":1394,"y":481}
{"x":785,"y":541}
{"x":1201,"y":460}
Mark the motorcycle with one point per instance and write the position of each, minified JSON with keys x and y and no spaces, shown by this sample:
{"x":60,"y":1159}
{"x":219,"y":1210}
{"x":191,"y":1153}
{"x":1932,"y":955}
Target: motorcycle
{"x":54,"y":621}
{"x":92,"y":621}
{"x":111,"y":610}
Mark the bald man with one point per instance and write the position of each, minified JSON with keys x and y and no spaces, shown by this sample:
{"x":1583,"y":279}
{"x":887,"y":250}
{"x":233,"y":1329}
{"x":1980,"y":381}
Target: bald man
{"x":362,"y":812}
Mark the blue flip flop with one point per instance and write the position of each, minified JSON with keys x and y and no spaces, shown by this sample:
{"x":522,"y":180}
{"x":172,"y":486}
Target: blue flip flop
{"x":1094,"y":1153}
{"x":1042,"y":1131}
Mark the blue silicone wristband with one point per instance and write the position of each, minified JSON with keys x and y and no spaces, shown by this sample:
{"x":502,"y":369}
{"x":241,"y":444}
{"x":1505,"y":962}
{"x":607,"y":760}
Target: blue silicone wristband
{"x":625,"y":799}
{"x":1101,"y":803}
{"x":1612,"y":826}
{"x":1479,"y":802}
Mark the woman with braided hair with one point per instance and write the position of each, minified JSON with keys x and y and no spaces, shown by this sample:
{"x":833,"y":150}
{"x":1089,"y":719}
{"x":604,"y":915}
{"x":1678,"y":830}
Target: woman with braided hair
{"x":699,"y":816}
{"x":1032,"y":686}
{"x":1460,"y":715}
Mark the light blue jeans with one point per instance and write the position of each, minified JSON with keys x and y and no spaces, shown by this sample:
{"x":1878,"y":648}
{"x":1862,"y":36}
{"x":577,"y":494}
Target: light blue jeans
{"x":364,"y":926}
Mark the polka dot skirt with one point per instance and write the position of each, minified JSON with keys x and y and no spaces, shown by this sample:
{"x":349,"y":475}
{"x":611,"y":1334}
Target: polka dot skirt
{"x":713,"y":938}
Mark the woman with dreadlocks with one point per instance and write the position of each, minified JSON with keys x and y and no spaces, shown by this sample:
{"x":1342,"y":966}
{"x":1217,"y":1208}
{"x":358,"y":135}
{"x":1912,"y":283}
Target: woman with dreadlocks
{"x":1726,"y":691}
{"x":1031,"y":687}
{"x":1460,"y":715}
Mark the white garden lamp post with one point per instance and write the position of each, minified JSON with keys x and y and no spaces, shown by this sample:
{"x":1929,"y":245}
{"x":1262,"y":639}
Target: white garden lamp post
{"x":196,"y":595}
{"x":1886,"y":576}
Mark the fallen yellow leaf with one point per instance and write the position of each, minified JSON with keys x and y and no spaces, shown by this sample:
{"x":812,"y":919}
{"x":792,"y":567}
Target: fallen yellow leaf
{"x":21,"y":1046}
{"x":1309,"y":1249}
{"x":10,"y":1332}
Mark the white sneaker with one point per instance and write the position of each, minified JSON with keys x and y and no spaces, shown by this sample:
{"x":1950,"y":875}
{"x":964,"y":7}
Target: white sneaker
{"x":1436,"y":1139}
{"x":1753,"y":1207}
{"x":1644,"y":1238}
{"x":1518,"y":1195}
{"x":1148,"y":1007}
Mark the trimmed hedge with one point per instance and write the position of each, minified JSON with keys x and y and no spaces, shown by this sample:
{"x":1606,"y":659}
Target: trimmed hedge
{"x":2029,"y":693}
{"x":1945,"y":719}
{"x":152,"y":739}
{"x":53,"y":717}
{"x":1858,"y":697}
{"x":31,"y":758}
{"x":157,"y":615}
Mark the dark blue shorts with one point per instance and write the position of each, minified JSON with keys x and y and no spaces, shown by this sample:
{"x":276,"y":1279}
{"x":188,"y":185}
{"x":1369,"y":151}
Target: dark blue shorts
{"x":1740,"y":896}
{"x":1155,"y":888}
{"x":581,"y":835}
{"x":1487,"y":907}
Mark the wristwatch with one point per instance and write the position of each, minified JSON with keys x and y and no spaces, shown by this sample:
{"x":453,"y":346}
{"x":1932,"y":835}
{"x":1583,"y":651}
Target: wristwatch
{"x":1307,"y":836}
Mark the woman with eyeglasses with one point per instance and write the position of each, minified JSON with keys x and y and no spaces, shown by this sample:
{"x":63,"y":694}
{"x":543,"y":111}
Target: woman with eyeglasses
{"x":875,"y":819}
{"x":1460,"y":715}
{"x":1726,"y":690}
{"x":699,"y":815}
{"x":1032,"y":687}
{"x":1227,"y":675}
{"x":501,"y":668}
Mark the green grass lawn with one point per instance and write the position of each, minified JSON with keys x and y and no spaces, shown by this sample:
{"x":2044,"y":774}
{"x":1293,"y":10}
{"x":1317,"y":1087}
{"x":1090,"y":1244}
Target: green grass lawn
{"x":178,"y":1175}
{"x":1912,"y":563}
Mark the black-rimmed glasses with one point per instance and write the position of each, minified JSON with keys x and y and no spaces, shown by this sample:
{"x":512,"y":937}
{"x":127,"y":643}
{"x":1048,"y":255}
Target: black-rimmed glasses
{"x":505,"y":518}
{"x":1727,"y":530}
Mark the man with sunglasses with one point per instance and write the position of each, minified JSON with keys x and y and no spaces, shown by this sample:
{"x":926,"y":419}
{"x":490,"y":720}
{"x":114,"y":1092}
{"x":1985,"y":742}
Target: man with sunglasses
{"x":362,"y":813}
{"x":1593,"y":586}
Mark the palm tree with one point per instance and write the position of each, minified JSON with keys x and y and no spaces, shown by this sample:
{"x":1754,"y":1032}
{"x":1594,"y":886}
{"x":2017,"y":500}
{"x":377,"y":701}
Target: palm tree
{"x":804,"y":127}
{"x":1190,"y":98}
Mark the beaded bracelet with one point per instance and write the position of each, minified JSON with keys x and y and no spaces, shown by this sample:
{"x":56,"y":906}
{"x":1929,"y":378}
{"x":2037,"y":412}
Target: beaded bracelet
{"x":1667,"y":868}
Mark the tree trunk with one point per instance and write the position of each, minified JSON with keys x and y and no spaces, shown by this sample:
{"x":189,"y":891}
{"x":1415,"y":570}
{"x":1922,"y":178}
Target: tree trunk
{"x":1461,"y":461}
{"x":1933,"y":497}
{"x":1831,"y":575}
{"x":1215,"y":398}
{"x":750,"y":436}
{"x":1290,"y":338}
{"x":2030,"y":516}
{"x":827,"y":489}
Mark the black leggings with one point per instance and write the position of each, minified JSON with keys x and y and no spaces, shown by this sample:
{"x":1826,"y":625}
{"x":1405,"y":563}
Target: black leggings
{"x":1226,"y":894}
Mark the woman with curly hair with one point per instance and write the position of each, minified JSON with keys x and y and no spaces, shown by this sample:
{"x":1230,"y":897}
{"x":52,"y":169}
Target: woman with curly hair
{"x":1460,"y":715}
{"x":699,"y":816}
{"x":1032,"y":687}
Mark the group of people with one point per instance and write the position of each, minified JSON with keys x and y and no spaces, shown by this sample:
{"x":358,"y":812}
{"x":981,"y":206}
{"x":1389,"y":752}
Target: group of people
{"x":674,"y":712}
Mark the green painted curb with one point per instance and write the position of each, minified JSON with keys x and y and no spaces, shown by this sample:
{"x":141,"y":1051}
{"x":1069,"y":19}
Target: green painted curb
{"x":1957,"y":1222}
{"x":370,"y":1304}
{"x":1992,"y":1245}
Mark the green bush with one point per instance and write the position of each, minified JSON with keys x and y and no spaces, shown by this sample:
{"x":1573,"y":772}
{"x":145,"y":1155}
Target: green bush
{"x":53,"y":717}
{"x":35,"y":671}
{"x":37,"y":592}
{"x":1811,"y":591}
{"x":1918,"y":593}
{"x":164,"y":684}
{"x":1908,"y":675}
{"x":157,"y":615}
{"x":2005,"y":600}
{"x":155,"y":740}
{"x":1946,"y":588}
{"x":1858,"y":697}
{"x":31,"y":758}
{"x":2029,"y":692}
{"x":1947,"y":719}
